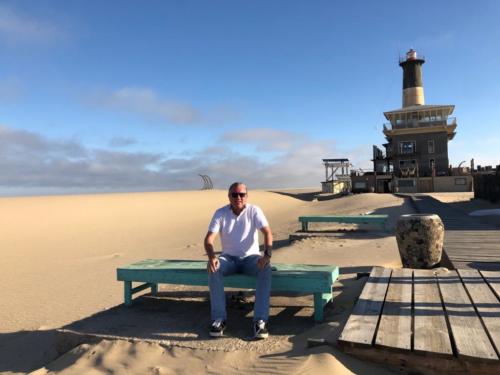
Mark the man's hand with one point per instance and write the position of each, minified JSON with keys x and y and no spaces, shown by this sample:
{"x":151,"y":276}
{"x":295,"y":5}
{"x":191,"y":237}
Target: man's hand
{"x":263,"y":261}
{"x":213,"y":261}
{"x":213,"y":265}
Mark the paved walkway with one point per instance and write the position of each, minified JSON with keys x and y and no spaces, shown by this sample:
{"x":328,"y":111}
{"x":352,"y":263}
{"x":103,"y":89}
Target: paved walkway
{"x":469,"y":242}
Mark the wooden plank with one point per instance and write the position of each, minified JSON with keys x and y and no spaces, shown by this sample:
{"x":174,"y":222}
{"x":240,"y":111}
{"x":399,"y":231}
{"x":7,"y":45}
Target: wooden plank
{"x":490,"y":240}
{"x":394,"y":330}
{"x":334,"y":217}
{"x":470,"y":339}
{"x":486,"y":303}
{"x":493,"y":280}
{"x":405,"y":362}
{"x":355,"y":219}
{"x":430,"y":330}
{"x":477,"y":246}
{"x":476,"y":256}
{"x":361,"y":325}
{"x":201,"y":265}
{"x":379,"y":220}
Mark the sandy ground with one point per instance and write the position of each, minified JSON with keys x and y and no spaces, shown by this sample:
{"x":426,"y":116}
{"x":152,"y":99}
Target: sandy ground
{"x":453,"y":197}
{"x":59,"y":259}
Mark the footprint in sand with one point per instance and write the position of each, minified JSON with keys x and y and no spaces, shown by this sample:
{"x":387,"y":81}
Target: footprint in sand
{"x":106,"y":257}
{"x":112,"y":256}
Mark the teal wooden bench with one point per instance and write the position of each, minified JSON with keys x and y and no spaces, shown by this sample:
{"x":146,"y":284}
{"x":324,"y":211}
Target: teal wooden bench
{"x":379,"y":220}
{"x":303,"y":278}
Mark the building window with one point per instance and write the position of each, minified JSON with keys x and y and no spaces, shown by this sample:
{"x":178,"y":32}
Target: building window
{"x":407,"y":168}
{"x":407,"y":147}
{"x":430,"y":146}
{"x":406,"y":183}
{"x":407,"y":163}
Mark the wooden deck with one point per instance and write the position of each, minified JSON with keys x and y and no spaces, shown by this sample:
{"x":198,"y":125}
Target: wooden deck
{"x":469,"y":242}
{"x":428,"y":321}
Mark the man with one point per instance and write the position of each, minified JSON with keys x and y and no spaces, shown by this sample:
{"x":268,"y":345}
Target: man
{"x":238,"y":224}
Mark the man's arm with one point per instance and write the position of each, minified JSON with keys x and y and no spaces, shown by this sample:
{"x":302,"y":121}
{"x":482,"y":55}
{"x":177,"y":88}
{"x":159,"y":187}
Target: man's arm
{"x":213,"y":262}
{"x":268,"y":247}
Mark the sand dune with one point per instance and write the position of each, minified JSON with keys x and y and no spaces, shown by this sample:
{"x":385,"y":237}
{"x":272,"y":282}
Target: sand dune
{"x":60,"y":253}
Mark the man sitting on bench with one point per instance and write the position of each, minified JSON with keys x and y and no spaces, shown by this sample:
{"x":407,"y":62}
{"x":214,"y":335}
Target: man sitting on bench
{"x":238,"y":224}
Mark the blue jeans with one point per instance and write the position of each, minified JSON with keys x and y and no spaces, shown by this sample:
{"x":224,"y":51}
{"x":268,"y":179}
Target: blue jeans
{"x":229,"y":265}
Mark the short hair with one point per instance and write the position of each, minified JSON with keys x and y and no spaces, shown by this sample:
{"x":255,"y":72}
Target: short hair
{"x":235,"y":184}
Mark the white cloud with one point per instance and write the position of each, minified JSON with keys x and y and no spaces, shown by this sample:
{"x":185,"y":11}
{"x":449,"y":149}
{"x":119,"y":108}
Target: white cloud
{"x":264,"y":139}
{"x":16,"y":27}
{"x":118,"y":142}
{"x":145,"y":102}
{"x":31,"y":162}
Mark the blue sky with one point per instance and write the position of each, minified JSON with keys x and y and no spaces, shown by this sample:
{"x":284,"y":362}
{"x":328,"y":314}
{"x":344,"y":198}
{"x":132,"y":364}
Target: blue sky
{"x":142,"y":96}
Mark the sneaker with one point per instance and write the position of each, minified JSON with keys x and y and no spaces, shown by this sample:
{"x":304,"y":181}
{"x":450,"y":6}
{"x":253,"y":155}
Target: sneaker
{"x":217,"y":329}
{"x":260,"y":330}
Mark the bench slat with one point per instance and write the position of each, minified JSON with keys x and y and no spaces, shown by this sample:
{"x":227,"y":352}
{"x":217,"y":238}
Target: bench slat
{"x":346,"y":219}
{"x":291,"y":282}
{"x":302,"y":278}
{"x":285,"y":277}
{"x":340,"y":217}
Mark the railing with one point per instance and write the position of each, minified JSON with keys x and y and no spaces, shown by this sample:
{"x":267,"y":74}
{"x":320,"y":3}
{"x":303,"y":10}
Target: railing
{"x":398,"y":173}
{"x":422,"y":123}
{"x":405,"y":58}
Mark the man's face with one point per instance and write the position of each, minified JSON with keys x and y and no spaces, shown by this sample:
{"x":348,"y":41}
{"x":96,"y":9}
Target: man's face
{"x":238,"y":197}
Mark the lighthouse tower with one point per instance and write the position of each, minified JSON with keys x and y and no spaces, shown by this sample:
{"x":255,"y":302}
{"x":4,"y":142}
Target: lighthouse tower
{"x":413,"y":88}
{"x":417,"y":136}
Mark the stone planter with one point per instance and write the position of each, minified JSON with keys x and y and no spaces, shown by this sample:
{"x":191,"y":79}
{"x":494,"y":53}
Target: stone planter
{"x":420,"y":240}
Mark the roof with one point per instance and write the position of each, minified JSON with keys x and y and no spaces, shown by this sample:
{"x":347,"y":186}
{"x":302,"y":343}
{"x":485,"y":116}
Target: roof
{"x":420,"y":108}
{"x":336,"y":160}
{"x":449,"y":129}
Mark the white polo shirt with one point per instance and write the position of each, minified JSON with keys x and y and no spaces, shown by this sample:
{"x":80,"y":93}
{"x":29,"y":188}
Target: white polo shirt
{"x":239,"y":234}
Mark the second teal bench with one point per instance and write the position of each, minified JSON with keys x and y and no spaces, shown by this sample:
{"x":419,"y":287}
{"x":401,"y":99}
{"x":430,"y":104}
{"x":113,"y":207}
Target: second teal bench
{"x":379,"y":220}
{"x":303,"y":278}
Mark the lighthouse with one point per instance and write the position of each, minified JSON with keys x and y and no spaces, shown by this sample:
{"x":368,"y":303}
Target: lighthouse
{"x":413,"y":88}
{"x":417,"y":134}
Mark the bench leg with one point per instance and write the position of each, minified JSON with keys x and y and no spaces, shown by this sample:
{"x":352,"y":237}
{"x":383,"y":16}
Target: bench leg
{"x":128,"y":293}
{"x":304,"y":226}
{"x":320,"y":300}
{"x":154,"y":289}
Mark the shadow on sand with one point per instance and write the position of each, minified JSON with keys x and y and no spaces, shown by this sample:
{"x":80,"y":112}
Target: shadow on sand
{"x":307,"y":196}
{"x":181,"y":318}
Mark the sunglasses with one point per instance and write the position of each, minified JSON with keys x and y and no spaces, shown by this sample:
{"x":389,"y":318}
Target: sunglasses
{"x":236,"y":195}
